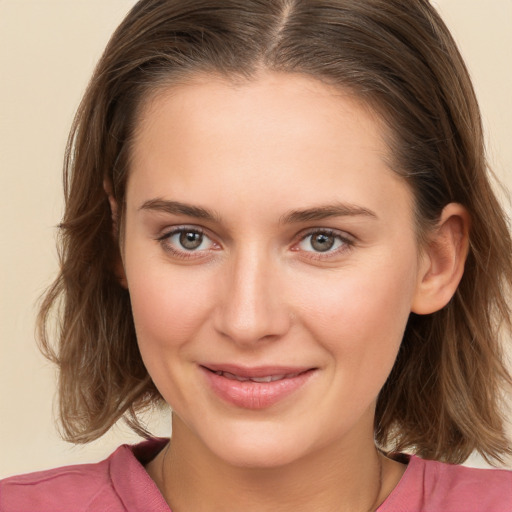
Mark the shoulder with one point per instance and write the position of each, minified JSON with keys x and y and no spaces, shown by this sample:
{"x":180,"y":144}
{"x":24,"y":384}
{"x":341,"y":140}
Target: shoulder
{"x":75,"y":486}
{"x":79,"y":488}
{"x":433,"y":486}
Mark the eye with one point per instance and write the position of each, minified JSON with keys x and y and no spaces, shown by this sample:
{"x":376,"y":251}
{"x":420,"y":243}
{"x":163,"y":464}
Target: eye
{"x":324,"y":241}
{"x":185,"y":241}
{"x":189,"y":240}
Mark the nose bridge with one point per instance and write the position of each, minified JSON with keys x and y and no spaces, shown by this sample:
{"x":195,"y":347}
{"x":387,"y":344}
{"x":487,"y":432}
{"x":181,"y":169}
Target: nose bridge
{"x":252,"y":306}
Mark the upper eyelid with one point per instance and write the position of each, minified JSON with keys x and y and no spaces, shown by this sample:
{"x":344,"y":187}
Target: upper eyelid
{"x":168,"y":230}
{"x":171,"y":230}
{"x":166,"y":233}
{"x":348,"y":243}
{"x":163,"y":240}
{"x":332,"y":231}
{"x":299,"y":237}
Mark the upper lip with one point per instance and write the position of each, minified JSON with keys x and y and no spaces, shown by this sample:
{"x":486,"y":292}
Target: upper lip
{"x":256,"y":371}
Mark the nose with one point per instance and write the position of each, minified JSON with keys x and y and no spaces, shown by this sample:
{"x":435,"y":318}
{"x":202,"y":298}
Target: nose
{"x":252,"y":306}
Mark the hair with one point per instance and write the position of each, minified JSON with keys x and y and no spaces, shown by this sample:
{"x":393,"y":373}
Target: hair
{"x":443,"y":398}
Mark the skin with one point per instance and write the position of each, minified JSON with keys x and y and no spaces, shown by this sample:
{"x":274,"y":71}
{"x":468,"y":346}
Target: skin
{"x":256,"y":292}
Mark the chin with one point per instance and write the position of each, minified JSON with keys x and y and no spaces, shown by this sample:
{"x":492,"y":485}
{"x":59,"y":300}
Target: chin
{"x":259,"y":448}
{"x":260,"y":455}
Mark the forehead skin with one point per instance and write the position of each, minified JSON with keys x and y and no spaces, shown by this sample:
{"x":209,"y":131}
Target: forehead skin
{"x":212,"y":115}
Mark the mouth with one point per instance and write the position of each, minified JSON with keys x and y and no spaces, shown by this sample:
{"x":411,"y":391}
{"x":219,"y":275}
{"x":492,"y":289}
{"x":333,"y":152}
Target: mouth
{"x":267,"y":378}
{"x":257,"y":387}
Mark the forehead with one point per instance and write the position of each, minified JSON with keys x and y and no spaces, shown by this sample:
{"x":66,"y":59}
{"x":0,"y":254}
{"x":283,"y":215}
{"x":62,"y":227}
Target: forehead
{"x":285,"y":138}
{"x":265,"y":102}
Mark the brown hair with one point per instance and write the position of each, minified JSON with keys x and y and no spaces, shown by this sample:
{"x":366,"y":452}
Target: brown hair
{"x":442,"y":399}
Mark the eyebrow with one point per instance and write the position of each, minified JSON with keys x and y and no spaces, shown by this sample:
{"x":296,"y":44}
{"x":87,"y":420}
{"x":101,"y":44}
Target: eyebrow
{"x":177,"y":208}
{"x":292,"y":217}
{"x":325,"y":212}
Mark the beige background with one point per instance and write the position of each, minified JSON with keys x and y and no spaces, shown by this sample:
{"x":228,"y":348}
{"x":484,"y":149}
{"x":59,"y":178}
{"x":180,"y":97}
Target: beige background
{"x":47,"y":51}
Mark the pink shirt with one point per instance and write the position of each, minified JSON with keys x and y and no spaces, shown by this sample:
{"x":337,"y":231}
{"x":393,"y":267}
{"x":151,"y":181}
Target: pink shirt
{"x":120,"y":484}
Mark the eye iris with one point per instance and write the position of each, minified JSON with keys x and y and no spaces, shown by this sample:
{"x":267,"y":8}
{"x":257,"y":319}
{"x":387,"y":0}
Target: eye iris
{"x":322,"y":242}
{"x":190,"y":239}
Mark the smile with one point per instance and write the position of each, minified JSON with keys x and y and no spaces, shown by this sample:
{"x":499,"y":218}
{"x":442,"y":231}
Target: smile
{"x":268,"y":378}
{"x":255,"y":388}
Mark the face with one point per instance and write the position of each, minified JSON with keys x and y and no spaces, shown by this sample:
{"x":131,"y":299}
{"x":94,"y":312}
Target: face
{"x":271,"y":260}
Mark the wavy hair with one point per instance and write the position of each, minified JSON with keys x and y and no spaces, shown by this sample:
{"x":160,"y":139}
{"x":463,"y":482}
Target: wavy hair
{"x":442,"y":399}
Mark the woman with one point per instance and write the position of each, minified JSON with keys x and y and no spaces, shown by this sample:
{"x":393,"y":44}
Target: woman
{"x":279,"y":222}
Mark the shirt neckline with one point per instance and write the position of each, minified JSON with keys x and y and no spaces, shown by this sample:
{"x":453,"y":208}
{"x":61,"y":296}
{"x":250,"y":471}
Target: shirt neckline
{"x":138,"y":491}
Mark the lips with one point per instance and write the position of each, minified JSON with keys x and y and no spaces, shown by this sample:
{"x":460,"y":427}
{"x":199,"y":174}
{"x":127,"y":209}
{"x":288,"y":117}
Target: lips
{"x":268,"y":378}
{"x":255,"y":388}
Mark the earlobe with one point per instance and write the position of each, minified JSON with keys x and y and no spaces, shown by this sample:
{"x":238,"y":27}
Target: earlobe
{"x":443,"y":260}
{"x":114,"y":212}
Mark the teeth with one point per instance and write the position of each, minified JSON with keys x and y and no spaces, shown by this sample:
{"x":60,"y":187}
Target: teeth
{"x":232,"y":376}
{"x":269,"y":378}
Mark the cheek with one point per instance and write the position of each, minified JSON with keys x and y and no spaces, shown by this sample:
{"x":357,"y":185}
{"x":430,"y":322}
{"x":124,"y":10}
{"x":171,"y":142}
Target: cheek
{"x":359,"y":316}
{"x":360,"y":326}
{"x":168,"y":307}
{"x":168,"y":310}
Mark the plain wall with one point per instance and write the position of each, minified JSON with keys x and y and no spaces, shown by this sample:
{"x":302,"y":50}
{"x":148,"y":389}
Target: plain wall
{"x":47,"y":52}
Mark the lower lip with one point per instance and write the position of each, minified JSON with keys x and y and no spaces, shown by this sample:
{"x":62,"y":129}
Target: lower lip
{"x":255,"y":395}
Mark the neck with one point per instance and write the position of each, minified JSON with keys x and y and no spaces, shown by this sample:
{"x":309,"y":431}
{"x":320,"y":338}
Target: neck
{"x":354,"y":477}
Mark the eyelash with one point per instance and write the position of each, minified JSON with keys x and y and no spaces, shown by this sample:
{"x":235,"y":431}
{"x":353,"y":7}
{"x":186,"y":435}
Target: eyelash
{"x":182,"y":254}
{"x":346,"y":243}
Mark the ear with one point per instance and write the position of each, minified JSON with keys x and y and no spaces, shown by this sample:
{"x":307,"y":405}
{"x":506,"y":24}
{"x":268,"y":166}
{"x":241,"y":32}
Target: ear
{"x":114,"y":212}
{"x":443,"y":259}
